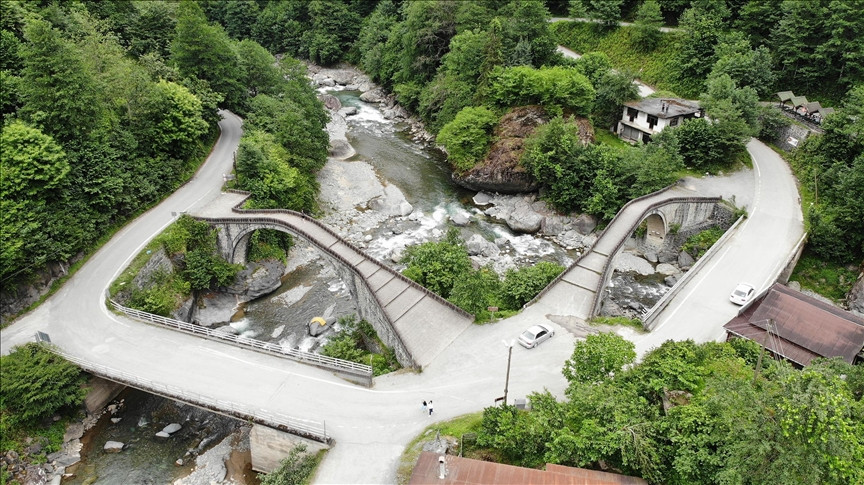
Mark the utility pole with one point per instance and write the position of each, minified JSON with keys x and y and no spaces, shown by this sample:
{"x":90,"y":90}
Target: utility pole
{"x":507,"y":382}
{"x":762,"y":351}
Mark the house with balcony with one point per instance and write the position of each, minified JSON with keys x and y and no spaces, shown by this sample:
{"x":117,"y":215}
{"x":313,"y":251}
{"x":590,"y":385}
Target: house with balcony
{"x":642,"y":119}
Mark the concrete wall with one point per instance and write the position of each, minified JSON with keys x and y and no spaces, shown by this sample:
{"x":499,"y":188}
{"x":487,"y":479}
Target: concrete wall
{"x":270,"y":446}
{"x":101,"y":392}
{"x":791,"y":137}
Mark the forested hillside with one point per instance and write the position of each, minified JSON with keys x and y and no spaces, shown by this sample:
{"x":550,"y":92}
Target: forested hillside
{"x":108,"y":106}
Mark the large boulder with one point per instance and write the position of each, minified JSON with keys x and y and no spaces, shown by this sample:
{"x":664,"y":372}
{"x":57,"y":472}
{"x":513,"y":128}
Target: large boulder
{"x":630,"y":262}
{"x":257,"y":279}
{"x":376,"y":95}
{"x":524,"y":219}
{"x":330,"y":102}
{"x":172,"y":428}
{"x":666,"y":269}
{"x":585,"y":224}
{"x":685,"y":260}
{"x":113,"y":447}
{"x":479,"y":246}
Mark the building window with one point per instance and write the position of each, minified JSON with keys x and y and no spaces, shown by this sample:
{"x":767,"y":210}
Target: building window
{"x":673,"y":121}
{"x":652,"y":122}
{"x":632,"y":113}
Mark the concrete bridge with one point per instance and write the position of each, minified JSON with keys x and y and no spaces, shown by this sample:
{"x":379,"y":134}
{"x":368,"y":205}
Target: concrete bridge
{"x":410,"y":319}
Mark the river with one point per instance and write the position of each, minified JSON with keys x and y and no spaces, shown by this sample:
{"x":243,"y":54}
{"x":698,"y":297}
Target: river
{"x":420,"y":173}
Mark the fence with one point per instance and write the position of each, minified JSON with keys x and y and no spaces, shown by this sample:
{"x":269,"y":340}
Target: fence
{"x":313,"y":430}
{"x":360,"y":371}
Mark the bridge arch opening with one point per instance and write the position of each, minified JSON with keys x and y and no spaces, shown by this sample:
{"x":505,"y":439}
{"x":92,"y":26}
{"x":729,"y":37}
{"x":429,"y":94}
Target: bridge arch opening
{"x":656,"y":228}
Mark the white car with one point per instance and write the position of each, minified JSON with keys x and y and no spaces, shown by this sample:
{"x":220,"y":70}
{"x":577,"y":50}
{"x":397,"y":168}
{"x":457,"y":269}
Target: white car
{"x":535,"y":335}
{"x":742,"y":294}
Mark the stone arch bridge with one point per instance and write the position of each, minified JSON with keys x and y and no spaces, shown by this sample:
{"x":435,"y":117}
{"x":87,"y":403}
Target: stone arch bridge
{"x":410,"y":319}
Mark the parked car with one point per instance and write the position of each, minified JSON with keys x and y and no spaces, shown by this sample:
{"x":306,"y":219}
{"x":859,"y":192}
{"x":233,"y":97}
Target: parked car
{"x":535,"y":335}
{"x":742,"y":294}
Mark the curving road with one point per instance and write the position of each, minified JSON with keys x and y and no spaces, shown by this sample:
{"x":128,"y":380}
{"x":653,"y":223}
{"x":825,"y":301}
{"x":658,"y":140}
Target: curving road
{"x":370,"y":426}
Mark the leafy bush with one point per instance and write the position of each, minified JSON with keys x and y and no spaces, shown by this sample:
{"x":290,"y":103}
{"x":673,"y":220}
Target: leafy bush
{"x":349,"y":344}
{"x":438,"y":265}
{"x":36,"y":383}
{"x":697,"y":244}
{"x":295,"y":469}
{"x":564,"y":87}
{"x":476,"y":291}
{"x":523,"y":284}
{"x":468,"y":136}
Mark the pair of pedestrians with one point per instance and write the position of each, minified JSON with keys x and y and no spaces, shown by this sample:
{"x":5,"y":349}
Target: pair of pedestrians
{"x":427,"y":407}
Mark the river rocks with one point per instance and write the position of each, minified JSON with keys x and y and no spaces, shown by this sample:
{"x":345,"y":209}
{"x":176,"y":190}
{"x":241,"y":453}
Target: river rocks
{"x":479,"y":246}
{"x":113,"y":447}
{"x":330,"y":102}
{"x":667,"y":256}
{"x":172,"y":428}
{"x":375,"y":95}
{"x":629,"y":262}
{"x":685,"y":260}
{"x":348,"y":111}
{"x":666,"y":269}
{"x":524,"y":219}
{"x":651,"y":256}
{"x":460,"y":219}
{"x":257,"y":279}
{"x":585,"y":224}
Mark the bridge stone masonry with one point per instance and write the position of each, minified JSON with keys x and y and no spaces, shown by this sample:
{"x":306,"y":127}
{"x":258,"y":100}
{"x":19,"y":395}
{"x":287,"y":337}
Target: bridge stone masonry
{"x":578,"y":291}
{"x":410,"y":319}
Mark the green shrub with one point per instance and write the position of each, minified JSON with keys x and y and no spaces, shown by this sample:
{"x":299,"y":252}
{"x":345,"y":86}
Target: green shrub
{"x":468,"y":136}
{"x":564,"y":87}
{"x":521,"y":285}
{"x":36,"y":383}
{"x":697,"y":244}
{"x":438,"y":265}
{"x":295,"y":469}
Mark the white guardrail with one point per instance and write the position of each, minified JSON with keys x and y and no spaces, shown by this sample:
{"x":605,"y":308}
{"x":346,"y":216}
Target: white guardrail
{"x":315,"y":430}
{"x":330,"y":363}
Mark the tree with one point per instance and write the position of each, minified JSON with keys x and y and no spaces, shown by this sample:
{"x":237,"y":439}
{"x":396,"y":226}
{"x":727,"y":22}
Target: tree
{"x":562,"y":87}
{"x":745,"y":66}
{"x":597,"y":358}
{"x":170,"y":120}
{"x":261,"y":74}
{"x":204,"y":51}
{"x":33,"y":167}
{"x":438,"y":265}
{"x":703,"y":24}
{"x":333,"y":28}
{"x":523,"y":284}
{"x":468,"y":136}
{"x":646,"y":30}
{"x":607,"y":12}
{"x":613,"y":90}
{"x":476,"y":291}
{"x":59,"y":93}
{"x":526,"y":22}
{"x":36,"y":383}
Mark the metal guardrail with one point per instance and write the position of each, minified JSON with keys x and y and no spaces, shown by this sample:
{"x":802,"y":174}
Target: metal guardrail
{"x":598,"y":296}
{"x":322,"y":361}
{"x":314,"y":430}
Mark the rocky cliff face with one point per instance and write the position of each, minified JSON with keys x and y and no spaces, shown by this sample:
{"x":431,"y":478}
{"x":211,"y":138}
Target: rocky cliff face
{"x":855,"y":298}
{"x":501,"y":171}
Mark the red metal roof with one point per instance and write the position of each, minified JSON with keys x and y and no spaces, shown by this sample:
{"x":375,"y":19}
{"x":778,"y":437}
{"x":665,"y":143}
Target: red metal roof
{"x":466,"y":471}
{"x":806,"y":328}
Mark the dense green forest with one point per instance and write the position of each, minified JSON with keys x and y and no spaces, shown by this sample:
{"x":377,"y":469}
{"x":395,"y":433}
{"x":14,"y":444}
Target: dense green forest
{"x":109,"y":106}
{"x":691,"y":414}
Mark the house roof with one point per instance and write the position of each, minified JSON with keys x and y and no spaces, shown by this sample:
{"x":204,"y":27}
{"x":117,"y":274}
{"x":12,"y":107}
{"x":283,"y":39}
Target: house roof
{"x":804,"y":328}
{"x":654,"y":106}
{"x":465,"y":471}
{"x":785,"y":96}
{"x":799,"y":101}
{"x":813,"y":107}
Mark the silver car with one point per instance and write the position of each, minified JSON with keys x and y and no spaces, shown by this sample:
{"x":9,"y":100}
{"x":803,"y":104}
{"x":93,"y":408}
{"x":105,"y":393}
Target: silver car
{"x":535,"y":335}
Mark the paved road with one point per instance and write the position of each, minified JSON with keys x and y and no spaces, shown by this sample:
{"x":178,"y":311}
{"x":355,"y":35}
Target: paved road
{"x":370,"y":426}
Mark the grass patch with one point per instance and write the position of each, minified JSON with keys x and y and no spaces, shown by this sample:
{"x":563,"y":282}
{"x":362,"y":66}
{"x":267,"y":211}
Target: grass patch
{"x":456,"y":427}
{"x":606,"y":137}
{"x":49,"y":435}
{"x":829,"y":279}
{"x":627,"y":322}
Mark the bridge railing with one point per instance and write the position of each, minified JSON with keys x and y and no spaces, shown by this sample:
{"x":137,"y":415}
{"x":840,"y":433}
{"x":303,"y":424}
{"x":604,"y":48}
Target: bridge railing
{"x":599,"y":237}
{"x":329,"y":251}
{"x":607,"y":270}
{"x":361,"y":371}
{"x":342,"y":240}
{"x":314,"y":430}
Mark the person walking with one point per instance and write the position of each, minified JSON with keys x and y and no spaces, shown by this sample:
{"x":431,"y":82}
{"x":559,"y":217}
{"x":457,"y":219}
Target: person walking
{"x":424,"y":407}
{"x":430,"y":407}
